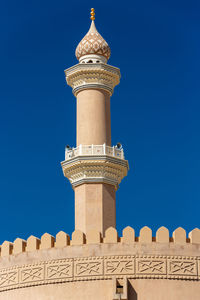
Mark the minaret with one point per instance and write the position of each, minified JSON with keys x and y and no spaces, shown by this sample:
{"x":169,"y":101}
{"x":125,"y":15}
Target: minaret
{"x":94,"y":167}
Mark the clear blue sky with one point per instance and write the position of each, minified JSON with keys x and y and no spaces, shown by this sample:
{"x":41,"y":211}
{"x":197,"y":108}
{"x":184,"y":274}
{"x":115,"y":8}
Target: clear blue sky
{"x":155,"y":111}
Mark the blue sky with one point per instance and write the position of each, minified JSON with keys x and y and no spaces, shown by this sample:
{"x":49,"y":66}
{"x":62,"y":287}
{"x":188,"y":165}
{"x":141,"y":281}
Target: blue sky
{"x":154,"y":110}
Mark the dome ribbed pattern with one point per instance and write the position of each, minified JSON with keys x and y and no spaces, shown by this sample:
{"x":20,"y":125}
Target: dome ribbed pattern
{"x":93,"y":43}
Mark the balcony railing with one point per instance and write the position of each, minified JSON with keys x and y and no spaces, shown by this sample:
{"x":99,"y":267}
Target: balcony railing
{"x":88,"y":150}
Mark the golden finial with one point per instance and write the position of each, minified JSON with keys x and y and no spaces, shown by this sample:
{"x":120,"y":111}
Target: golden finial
{"x":92,"y":13}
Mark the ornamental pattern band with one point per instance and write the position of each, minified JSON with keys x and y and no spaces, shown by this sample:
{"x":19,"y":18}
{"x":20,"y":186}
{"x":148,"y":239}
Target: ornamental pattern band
{"x":104,"y":267}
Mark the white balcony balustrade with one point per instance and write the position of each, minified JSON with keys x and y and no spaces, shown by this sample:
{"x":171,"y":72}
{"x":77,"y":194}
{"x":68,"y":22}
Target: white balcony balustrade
{"x":94,"y":150}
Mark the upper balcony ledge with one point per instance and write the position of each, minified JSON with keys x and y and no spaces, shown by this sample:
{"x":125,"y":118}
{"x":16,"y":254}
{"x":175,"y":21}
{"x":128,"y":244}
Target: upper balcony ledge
{"x":92,"y":66}
{"x":94,"y":150}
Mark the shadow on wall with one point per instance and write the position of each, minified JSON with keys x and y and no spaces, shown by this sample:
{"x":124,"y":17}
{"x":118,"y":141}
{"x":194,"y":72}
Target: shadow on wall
{"x":132,"y":295}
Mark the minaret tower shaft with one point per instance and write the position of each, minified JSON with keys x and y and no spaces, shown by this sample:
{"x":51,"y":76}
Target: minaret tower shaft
{"x":94,"y":168}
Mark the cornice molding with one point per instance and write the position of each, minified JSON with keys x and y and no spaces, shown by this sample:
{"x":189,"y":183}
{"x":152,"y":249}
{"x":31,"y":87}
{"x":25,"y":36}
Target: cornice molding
{"x":95,"y":169}
{"x":92,"y":76}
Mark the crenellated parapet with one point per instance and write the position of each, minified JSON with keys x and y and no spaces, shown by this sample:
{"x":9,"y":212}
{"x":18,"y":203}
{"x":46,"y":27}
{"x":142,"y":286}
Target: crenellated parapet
{"x":62,"y":239}
{"x":92,"y":257}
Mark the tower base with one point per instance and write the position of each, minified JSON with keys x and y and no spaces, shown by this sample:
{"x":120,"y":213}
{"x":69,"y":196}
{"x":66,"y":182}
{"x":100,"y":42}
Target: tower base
{"x":95,"y":207}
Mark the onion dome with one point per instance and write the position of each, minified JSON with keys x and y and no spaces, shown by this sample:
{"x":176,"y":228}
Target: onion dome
{"x":93,"y":45}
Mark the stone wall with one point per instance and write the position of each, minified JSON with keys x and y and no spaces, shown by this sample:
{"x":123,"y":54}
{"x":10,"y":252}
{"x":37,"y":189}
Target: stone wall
{"x":90,"y":267}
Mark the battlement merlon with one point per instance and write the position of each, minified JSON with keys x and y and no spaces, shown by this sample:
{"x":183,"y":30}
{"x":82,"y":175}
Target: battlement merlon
{"x":62,"y":240}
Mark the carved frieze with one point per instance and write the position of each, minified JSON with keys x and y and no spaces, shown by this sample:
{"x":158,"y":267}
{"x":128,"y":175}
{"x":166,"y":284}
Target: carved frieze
{"x":31,"y":273}
{"x":149,"y":266}
{"x":101,"y":267}
{"x":9,"y":278}
{"x":179,"y":267}
{"x":59,"y":269}
{"x":88,"y":267}
{"x":119,"y":265}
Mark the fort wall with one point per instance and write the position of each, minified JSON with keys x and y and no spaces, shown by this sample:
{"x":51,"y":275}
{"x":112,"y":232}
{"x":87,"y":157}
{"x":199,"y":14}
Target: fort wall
{"x":85,"y":266}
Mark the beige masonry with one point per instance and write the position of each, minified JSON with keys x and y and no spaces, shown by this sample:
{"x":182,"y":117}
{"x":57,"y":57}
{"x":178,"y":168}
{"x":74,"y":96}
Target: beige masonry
{"x":93,"y":117}
{"x":94,"y":202}
{"x":95,"y":207}
{"x":91,"y":267}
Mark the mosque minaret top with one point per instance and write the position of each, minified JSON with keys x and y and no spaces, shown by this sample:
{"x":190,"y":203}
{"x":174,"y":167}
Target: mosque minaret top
{"x":93,"y":46}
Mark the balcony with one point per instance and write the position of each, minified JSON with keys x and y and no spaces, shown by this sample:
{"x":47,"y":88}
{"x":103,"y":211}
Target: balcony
{"x":94,"y":150}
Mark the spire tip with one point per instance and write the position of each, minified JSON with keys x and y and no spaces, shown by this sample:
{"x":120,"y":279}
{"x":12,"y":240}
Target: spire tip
{"x":92,"y":14}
